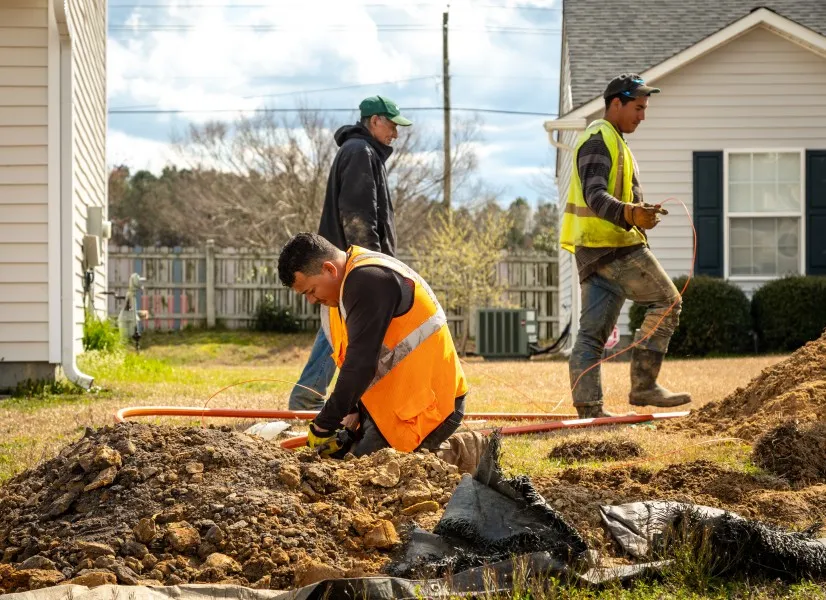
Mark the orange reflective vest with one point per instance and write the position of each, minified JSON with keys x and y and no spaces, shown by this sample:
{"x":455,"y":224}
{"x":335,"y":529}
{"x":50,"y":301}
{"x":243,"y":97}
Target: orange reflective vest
{"x":418,"y":376}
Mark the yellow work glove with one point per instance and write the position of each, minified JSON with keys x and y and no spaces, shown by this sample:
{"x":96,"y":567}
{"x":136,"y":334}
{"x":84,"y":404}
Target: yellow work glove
{"x":324,"y":443}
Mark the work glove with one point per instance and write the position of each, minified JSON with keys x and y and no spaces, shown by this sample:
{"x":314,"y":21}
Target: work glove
{"x":643,"y":216}
{"x":330,"y":443}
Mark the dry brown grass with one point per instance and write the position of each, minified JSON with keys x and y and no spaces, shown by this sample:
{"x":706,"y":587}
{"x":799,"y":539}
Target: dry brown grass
{"x":187,"y":370}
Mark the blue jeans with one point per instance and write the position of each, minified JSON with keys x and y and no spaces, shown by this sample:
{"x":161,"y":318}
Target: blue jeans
{"x":637,"y":276}
{"x":317,"y":375}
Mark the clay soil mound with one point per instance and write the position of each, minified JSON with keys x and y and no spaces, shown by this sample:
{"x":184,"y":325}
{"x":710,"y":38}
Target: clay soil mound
{"x":794,"y":451}
{"x":578,"y":492}
{"x":141,"y":504}
{"x":793,"y":388}
{"x":596,"y":450}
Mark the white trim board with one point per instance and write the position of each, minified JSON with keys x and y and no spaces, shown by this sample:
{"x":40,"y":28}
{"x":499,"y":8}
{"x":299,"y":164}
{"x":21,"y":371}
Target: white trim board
{"x":762,"y":17}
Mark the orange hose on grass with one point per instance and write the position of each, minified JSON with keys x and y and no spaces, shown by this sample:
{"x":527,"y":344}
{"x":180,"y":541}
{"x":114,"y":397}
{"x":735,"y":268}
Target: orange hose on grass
{"x":303,"y":415}
{"x":298,"y":442}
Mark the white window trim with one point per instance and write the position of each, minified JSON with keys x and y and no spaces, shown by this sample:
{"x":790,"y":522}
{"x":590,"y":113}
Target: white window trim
{"x":727,"y":216}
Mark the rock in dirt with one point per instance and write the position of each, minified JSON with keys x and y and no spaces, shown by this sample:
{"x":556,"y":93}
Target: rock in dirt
{"x":381,"y":535}
{"x":94,"y":579}
{"x":587,"y":449}
{"x":37,"y":562}
{"x":210,"y":505}
{"x":311,"y":571}
{"x":794,"y":451}
{"x":794,"y":386}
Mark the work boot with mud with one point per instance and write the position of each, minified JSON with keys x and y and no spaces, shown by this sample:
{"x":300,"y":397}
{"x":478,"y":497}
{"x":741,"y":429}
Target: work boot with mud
{"x":464,"y":450}
{"x":593,"y":411}
{"x":645,"y":391}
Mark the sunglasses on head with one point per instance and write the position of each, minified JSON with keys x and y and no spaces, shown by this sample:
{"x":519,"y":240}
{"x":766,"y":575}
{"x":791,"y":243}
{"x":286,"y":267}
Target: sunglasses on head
{"x":635,"y":83}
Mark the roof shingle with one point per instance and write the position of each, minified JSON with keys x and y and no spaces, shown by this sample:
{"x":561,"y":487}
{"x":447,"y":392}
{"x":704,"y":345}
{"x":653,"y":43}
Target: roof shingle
{"x":648,"y":32}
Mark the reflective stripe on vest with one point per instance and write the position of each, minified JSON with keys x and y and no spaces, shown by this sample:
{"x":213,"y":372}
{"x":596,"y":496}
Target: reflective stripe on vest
{"x":580,"y":225}
{"x":390,"y":357}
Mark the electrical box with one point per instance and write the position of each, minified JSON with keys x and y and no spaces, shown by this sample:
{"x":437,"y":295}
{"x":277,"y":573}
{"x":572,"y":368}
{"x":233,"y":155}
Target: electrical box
{"x":91,"y":251}
{"x":506,"y":332}
{"x":95,"y":225}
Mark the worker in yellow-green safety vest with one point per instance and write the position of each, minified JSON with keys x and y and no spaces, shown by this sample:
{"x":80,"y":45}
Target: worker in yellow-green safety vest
{"x":604,"y":225}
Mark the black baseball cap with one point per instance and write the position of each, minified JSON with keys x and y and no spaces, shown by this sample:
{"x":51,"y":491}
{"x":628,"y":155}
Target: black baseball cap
{"x":630,"y":85}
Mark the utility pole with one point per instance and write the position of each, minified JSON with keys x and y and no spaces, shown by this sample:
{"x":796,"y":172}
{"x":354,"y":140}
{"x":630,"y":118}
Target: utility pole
{"x":446,"y":107}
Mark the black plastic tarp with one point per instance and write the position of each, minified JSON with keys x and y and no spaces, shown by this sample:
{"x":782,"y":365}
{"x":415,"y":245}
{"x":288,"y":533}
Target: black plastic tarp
{"x":733,"y":544}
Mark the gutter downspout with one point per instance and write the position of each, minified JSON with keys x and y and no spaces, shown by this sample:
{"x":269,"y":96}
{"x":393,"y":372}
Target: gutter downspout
{"x":68,"y":277}
{"x":576,"y":125}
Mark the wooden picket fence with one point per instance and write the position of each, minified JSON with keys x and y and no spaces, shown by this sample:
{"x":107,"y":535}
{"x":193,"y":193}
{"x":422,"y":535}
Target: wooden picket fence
{"x":209,"y":286}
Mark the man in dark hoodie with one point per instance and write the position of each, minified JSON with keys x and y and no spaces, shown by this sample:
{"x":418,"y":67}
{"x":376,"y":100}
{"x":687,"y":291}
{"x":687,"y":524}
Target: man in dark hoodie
{"x":357,"y":211}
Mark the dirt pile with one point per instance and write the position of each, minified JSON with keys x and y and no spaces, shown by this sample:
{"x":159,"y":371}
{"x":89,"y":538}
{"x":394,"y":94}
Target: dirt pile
{"x":596,"y":450}
{"x":793,"y":388}
{"x":578,"y":492}
{"x":794,"y":451}
{"x":141,"y":504}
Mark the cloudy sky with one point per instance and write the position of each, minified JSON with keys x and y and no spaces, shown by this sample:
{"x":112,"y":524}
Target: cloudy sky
{"x":195,"y":60}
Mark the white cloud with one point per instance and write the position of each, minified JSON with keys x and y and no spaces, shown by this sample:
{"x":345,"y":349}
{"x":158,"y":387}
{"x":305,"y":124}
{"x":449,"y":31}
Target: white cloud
{"x":209,"y":59}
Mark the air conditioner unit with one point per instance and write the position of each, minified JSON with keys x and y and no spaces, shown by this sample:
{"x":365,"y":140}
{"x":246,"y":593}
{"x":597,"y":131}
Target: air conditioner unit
{"x":506,"y":332}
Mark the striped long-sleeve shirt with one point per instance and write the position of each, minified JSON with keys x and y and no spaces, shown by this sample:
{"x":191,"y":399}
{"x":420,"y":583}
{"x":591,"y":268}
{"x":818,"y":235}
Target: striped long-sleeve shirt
{"x":594,"y":166}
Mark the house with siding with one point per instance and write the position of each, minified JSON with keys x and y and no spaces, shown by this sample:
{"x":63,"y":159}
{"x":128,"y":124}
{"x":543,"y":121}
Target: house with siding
{"x":52,"y":183}
{"x":738,"y":132}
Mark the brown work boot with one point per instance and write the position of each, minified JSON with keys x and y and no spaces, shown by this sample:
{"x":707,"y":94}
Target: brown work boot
{"x":645,"y":391}
{"x":593,"y":411}
{"x":464,"y":450}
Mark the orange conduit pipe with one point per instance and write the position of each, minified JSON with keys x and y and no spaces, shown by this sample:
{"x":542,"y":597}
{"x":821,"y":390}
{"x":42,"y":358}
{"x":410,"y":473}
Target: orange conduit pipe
{"x":303,"y":415}
{"x":298,"y":442}
{"x":552,"y":422}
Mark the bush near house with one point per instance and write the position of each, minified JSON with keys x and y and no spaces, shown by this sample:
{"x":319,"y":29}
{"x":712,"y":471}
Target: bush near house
{"x":789,"y":312}
{"x":715,"y":319}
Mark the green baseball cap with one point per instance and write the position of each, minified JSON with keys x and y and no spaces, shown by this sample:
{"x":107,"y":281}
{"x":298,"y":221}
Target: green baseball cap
{"x":381,"y":105}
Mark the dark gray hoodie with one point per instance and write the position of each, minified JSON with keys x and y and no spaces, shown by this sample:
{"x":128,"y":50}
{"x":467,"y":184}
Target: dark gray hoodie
{"x":357,"y":206}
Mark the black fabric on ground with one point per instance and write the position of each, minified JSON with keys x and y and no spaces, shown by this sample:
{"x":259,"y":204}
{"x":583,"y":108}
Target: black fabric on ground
{"x":737,"y":545}
{"x":489,"y":519}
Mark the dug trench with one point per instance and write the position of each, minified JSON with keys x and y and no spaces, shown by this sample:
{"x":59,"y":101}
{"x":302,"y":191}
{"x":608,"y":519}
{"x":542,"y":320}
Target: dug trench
{"x":142,"y":504}
{"x":780,"y":413}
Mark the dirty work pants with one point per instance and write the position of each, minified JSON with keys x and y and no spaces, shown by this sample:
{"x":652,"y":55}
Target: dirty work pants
{"x":372,"y":440}
{"x":317,"y":375}
{"x":639,"y":277}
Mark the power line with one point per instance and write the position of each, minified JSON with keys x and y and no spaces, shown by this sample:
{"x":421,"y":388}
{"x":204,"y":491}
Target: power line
{"x":176,"y":111}
{"x":279,"y":76}
{"x":332,"y":28}
{"x":299,"y":92}
{"x":370,"y":5}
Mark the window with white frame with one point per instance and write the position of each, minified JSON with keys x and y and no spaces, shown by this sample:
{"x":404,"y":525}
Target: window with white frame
{"x":765,"y":213}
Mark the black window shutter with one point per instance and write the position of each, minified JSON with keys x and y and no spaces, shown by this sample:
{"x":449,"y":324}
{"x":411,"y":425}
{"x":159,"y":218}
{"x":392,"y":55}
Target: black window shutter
{"x":708,"y":212}
{"x":815,"y":212}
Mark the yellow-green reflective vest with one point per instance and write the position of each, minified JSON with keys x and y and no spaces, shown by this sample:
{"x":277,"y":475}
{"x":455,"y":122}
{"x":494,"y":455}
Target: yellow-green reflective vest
{"x":580,"y":226}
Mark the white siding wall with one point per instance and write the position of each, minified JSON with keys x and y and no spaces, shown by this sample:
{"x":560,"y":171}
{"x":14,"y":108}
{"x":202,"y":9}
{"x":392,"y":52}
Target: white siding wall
{"x":24,"y":297}
{"x":768,"y":93}
{"x":87,"y":20}
{"x":567,"y":266}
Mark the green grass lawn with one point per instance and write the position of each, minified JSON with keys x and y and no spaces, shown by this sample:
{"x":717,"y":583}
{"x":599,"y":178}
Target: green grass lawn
{"x":257,"y":370}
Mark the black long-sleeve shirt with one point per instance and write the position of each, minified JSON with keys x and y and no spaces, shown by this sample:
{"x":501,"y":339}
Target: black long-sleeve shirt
{"x":594,"y":166}
{"x":372,"y":297}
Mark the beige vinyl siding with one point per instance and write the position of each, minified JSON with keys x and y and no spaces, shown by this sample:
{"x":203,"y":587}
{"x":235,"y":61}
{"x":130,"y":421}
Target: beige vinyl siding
{"x":23,"y":182}
{"x":88,"y":34}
